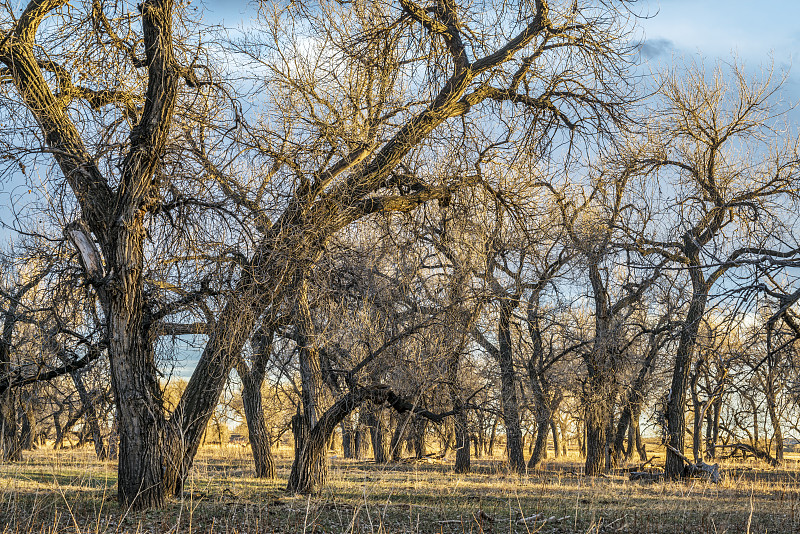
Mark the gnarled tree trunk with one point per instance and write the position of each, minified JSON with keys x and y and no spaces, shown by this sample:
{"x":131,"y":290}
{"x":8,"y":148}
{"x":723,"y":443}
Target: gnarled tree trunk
{"x":257,"y":430}
{"x":303,"y":479}
{"x":508,"y":389}
{"x":676,"y":401}
{"x":252,"y":380}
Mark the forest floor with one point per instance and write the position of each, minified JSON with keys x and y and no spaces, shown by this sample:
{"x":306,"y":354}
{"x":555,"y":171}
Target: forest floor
{"x":69,"y":491}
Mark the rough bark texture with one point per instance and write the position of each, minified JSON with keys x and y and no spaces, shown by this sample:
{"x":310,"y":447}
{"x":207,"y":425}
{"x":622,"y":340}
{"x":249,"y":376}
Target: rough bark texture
{"x":508,"y":389}
{"x":257,"y":430}
{"x":772,"y":409}
{"x":676,"y":402}
{"x":597,"y":417}
{"x":377,"y":432}
{"x":252,"y":380}
{"x":462,"y":464}
{"x":348,"y":437}
{"x":398,"y":437}
{"x":303,"y":478}
{"x":304,"y":424}
{"x":419,"y":438}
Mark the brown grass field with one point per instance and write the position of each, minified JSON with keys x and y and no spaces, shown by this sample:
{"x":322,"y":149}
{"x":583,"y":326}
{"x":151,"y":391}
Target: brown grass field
{"x":71,"y":492}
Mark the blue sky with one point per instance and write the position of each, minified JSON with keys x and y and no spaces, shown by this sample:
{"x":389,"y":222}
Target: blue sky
{"x":718,"y":28}
{"x":708,"y":28}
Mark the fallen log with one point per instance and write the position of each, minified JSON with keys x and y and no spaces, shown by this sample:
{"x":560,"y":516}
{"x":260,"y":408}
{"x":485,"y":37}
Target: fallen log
{"x":641,"y":466}
{"x":699,"y":469}
{"x":744,"y":448}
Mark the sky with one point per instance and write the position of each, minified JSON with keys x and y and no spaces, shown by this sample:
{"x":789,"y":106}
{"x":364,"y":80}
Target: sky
{"x":761,"y":35}
{"x":709,"y":29}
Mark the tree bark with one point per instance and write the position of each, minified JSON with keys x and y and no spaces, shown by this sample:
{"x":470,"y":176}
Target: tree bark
{"x":597,"y":416}
{"x":348,"y":437}
{"x":508,"y":389}
{"x":419,"y":437}
{"x":398,"y":438}
{"x":772,"y":409}
{"x":676,"y":402}
{"x":556,"y":439}
{"x":377,"y":432}
{"x":304,"y":475}
{"x":9,"y":432}
{"x":257,"y":429}
{"x":28,"y":429}
{"x":544,"y":416}
{"x":252,"y":380}
{"x":462,"y":464}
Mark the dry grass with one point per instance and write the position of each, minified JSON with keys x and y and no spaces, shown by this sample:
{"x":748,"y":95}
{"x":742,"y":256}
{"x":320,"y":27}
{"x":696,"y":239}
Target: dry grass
{"x":70,"y":491}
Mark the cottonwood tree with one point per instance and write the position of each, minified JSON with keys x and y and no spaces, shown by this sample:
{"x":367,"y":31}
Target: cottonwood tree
{"x":102,"y":105}
{"x":593,"y":222}
{"x":731,"y":175}
{"x":345,"y":108}
{"x":355,"y":142}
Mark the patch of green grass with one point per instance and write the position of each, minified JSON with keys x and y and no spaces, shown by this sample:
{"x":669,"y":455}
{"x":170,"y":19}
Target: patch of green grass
{"x":70,"y":491}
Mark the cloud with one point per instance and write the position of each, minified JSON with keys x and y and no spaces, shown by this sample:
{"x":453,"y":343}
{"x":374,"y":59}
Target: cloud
{"x":653,"y":48}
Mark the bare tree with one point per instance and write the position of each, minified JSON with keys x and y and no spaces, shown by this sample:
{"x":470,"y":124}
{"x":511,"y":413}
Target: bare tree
{"x":725,"y":197}
{"x":115,"y":139}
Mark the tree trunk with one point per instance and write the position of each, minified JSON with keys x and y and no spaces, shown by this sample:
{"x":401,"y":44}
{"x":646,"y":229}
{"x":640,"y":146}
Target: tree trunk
{"x":348,"y":438}
{"x":543,"y":404}
{"x":543,"y":420}
{"x":252,"y":378}
{"x":676,"y":402}
{"x":9,"y":433}
{"x":359,"y":441}
{"x":257,"y":429}
{"x":309,"y":469}
{"x":508,"y":390}
{"x":28,"y":429}
{"x":462,"y":464}
{"x":304,"y":475}
{"x":774,"y":420}
{"x":377,"y":431}
{"x":629,"y":418}
{"x":92,"y":419}
{"x":598,"y":415}
{"x":419,"y":437}
{"x":556,"y":438}
{"x":460,"y":422}
{"x":623,"y":429}
{"x":396,"y":444}
{"x":492,"y":437}
{"x":698,"y":409}
{"x":143,"y":452}
{"x":698,"y":452}
{"x":540,"y":444}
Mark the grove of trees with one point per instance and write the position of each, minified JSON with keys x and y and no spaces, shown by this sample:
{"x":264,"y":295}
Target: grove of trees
{"x":397,"y":222}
